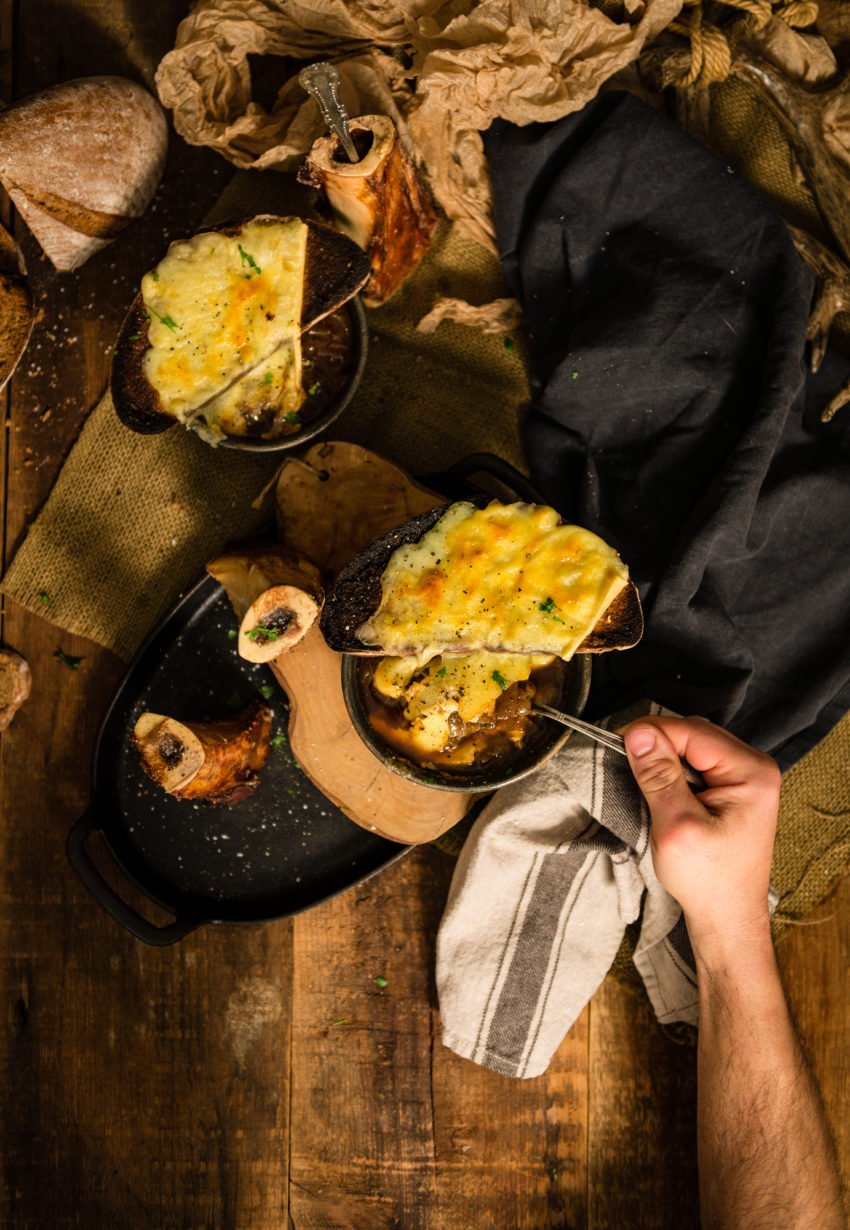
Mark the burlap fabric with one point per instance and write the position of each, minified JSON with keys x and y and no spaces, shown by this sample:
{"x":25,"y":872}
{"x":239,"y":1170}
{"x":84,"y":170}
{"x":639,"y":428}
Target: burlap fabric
{"x":132,"y":519}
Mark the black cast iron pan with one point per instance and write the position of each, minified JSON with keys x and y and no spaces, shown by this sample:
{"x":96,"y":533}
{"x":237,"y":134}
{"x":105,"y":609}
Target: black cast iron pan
{"x":280,"y":851}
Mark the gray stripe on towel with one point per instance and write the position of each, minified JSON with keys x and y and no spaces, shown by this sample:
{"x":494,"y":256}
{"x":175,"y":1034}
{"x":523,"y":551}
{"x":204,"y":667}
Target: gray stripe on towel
{"x":680,"y":942}
{"x":524,"y":981}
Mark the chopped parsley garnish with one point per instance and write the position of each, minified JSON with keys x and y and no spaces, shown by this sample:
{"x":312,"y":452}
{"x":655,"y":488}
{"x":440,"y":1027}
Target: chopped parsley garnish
{"x":278,"y":741}
{"x":155,"y":275}
{"x":509,"y":343}
{"x":380,"y":981}
{"x":550,"y":606}
{"x":291,"y":417}
{"x":44,"y":597}
{"x":247,"y":259}
{"x":166,"y":320}
{"x":313,"y":389}
{"x":499,"y":678}
{"x":134,"y":337}
{"x":68,"y":659}
{"x":441,"y":672}
{"x":574,"y":375}
{"x":267,"y":379}
{"x":266,"y":691}
{"x":232,"y":634}
{"x":268,"y":634}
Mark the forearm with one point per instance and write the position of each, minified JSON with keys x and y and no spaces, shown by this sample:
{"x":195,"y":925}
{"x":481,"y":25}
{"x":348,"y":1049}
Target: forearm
{"x":766,"y":1157}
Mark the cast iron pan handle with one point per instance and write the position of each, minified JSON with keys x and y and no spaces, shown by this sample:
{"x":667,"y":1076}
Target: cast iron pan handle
{"x":496,"y":467}
{"x":148,"y":932}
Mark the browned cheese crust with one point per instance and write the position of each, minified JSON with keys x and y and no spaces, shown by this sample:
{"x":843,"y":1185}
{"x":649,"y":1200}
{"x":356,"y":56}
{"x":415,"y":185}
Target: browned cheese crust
{"x":356,"y":594}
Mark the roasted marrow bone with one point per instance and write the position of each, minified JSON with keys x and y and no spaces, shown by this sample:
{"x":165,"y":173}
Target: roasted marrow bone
{"x":508,"y":578}
{"x":379,"y":202}
{"x":276,"y":594}
{"x":219,"y":762}
{"x":216,"y":331}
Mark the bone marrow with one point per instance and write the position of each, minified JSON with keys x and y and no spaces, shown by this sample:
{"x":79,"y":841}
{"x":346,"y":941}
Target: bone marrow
{"x":276,"y":594}
{"x":217,"y":762}
{"x":379,"y":202}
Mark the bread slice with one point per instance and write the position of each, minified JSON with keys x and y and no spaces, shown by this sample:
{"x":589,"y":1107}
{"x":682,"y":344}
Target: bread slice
{"x":335,"y":270}
{"x":356,"y":595}
{"x":15,"y":684}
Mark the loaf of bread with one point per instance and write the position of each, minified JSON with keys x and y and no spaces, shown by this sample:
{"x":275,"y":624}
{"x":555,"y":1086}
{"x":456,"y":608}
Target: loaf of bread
{"x":80,"y":161}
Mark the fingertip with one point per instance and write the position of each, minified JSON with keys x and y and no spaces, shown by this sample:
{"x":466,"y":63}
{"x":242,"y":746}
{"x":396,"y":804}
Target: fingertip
{"x":640,"y":740}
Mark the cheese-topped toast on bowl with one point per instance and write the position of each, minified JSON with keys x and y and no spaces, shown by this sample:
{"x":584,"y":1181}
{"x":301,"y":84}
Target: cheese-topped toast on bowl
{"x":224,"y":334}
{"x":455,"y":624}
{"x":508,"y":578}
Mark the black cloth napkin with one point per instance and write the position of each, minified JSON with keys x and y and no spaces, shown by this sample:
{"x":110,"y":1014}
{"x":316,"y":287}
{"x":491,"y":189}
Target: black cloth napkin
{"x":666,"y":309}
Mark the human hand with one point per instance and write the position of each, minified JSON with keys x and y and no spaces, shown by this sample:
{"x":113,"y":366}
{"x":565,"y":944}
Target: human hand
{"x":712,"y":851}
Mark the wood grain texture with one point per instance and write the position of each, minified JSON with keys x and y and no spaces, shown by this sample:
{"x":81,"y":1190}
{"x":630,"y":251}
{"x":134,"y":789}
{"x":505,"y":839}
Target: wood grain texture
{"x":642,"y":1120}
{"x":420,"y":1138}
{"x":258,"y":1078}
{"x":814,"y":960}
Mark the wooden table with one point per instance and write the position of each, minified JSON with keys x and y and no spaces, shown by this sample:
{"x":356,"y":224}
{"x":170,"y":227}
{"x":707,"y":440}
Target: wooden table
{"x":257,"y":1077}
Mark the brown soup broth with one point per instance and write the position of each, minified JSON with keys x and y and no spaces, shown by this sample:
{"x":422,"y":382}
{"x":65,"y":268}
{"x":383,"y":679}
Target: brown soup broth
{"x":490,"y":744}
{"x":327,"y":357}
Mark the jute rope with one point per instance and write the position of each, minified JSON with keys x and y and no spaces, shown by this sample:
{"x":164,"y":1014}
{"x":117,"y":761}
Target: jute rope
{"x":711,"y":46}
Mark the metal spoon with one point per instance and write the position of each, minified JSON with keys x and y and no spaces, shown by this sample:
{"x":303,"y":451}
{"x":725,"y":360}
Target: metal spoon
{"x":608,"y":739}
{"x":322,"y":82}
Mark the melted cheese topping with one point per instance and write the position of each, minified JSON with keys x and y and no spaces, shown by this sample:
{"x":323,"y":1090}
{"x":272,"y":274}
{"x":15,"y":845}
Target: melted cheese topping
{"x":507,"y":577}
{"x":220,"y":307}
{"x":270,"y":395}
{"x":468,"y":686}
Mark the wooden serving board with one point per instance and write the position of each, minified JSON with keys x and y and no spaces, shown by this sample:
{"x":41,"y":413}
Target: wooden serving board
{"x":330,"y":505}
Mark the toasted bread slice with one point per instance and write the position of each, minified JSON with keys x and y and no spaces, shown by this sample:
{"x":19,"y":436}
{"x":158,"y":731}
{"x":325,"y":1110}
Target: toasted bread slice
{"x":356,"y":595}
{"x":334,"y":271}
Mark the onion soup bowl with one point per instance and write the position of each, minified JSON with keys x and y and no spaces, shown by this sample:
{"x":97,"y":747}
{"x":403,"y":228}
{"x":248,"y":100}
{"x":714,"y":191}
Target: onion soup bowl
{"x":496,"y":760}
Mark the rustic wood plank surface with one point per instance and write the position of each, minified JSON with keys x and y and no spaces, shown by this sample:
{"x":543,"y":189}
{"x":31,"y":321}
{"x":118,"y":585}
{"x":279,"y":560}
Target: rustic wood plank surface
{"x":259,"y":1078}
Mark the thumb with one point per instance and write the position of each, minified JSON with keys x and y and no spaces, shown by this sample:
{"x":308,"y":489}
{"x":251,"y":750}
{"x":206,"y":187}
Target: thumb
{"x":658,"y":772}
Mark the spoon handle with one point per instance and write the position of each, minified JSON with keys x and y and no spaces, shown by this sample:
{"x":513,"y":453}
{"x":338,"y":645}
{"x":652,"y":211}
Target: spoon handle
{"x":322,"y":81}
{"x":608,"y":739}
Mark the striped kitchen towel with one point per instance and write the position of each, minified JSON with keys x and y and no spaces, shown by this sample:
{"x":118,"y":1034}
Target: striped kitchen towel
{"x":550,"y":875}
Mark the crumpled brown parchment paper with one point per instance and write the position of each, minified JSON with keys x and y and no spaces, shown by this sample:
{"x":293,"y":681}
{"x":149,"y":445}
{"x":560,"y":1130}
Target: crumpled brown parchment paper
{"x":443,"y":70}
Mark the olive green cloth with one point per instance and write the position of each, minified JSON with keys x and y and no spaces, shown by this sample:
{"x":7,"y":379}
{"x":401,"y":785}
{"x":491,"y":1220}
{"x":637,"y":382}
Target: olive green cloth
{"x":132,"y":519}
